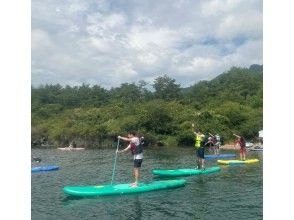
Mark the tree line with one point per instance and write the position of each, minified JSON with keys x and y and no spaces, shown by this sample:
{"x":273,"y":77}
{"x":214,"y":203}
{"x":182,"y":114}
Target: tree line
{"x":93,"y":116}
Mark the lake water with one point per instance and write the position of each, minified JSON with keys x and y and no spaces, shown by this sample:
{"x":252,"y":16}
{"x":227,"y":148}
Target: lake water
{"x":233,"y":193}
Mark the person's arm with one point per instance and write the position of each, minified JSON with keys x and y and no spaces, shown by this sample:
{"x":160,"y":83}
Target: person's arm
{"x":236,"y":142}
{"x":124,"y":138}
{"x":124,"y":150}
{"x":210,"y":134}
{"x":194,"y":129}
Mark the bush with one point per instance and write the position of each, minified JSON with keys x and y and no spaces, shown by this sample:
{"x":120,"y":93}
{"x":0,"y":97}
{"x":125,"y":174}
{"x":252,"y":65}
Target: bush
{"x":185,"y":139}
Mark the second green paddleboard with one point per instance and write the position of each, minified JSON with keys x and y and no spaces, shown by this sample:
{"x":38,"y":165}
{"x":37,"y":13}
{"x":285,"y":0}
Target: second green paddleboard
{"x":185,"y":172}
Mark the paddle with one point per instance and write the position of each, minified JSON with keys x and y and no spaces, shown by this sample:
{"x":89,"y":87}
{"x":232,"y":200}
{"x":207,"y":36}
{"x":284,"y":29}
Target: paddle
{"x":113,"y":171}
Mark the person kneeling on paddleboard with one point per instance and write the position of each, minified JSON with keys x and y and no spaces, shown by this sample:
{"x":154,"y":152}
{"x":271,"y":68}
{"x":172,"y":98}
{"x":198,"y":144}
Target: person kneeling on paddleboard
{"x":137,"y":150}
{"x":199,"y":145}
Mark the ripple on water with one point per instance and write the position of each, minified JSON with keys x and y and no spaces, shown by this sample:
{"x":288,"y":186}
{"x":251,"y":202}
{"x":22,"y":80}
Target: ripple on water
{"x":233,"y":193}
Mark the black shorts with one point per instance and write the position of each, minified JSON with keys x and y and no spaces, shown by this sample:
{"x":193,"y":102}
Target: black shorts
{"x":137,"y":162}
{"x":200,"y":152}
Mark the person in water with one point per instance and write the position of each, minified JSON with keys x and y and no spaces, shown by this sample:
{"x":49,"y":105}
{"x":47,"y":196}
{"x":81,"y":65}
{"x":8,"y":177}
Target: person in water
{"x":199,"y":145}
{"x":72,"y":145}
{"x":136,"y":148}
{"x":242,"y":143}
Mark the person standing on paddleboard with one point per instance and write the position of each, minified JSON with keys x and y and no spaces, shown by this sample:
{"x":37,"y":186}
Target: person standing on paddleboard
{"x":242,"y":143}
{"x":217,"y":144}
{"x":137,"y":150}
{"x":199,"y":145}
{"x":210,"y":143}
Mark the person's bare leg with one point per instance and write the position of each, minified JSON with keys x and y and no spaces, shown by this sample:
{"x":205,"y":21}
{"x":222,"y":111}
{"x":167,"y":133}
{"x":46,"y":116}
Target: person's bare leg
{"x":202,"y":164}
{"x":217,"y":150}
{"x":196,"y":161}
{"x":136,"y":175}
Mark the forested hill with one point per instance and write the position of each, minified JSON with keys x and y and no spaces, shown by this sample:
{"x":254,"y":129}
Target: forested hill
{"x":94,"y":116}
{"x":236,"y":85}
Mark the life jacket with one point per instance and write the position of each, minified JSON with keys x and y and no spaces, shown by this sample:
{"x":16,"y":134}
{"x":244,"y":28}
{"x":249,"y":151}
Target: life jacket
{"x":136,"y":149}
{"x":198,"y":141}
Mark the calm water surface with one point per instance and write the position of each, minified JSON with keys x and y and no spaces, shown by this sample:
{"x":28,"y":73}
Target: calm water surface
{"x":233,"y":193}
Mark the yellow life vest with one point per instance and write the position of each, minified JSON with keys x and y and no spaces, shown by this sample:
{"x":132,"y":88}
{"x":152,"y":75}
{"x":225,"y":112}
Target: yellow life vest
{"x":198,"y":140}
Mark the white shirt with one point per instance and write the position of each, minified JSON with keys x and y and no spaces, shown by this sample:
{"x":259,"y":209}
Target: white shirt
{"x":136,"y":141}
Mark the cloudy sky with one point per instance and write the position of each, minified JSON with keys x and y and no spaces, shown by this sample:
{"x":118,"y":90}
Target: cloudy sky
{"x":109,"y":42}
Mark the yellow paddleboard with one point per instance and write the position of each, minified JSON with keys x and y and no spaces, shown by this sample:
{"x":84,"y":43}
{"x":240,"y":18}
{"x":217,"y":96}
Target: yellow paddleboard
{"x":228,"y":162}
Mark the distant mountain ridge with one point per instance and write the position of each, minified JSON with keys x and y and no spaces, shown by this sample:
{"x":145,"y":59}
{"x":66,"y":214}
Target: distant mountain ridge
{"x":237,"y":83}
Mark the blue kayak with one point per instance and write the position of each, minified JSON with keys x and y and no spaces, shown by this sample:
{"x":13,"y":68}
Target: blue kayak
{"x":45,"y":168}
{"x":218,"y":156}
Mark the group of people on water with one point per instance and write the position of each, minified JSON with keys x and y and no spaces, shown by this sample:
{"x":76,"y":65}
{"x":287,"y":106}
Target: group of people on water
{"x":213,"y":141}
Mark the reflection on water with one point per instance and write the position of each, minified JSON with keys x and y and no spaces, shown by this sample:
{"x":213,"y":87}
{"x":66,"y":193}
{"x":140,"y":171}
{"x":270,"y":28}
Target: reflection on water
{"x":233,"y":192}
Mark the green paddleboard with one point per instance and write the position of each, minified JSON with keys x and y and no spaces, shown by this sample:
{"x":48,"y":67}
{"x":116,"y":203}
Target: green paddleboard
{"x":104,"y":190}
{"x":185,"y":172}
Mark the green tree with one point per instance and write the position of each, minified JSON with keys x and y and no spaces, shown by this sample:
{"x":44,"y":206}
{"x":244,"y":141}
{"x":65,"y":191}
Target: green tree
{"x":94,"y":116}
{"x":166,"y":88}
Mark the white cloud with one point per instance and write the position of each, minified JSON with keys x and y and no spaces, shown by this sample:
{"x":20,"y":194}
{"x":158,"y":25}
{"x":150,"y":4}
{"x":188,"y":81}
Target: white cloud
{"x":40,"y":40}
{"x":141,"y":38}
{"x":245,"y":25}
{"x":108,"y":42}
{"x":105,"y":23}
{"x":77,"y":6}
{"x":247,"y":54}
{"x":147,"y":59}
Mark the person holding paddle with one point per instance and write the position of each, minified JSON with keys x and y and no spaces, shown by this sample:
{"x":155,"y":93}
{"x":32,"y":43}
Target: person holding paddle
{"x":199,"y":145}
{"x":242,"y":143}
{"x":136,"y":148}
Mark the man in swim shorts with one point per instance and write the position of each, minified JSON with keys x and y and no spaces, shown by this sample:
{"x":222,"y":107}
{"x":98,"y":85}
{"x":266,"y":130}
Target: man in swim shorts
{"x":136,"y":148}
